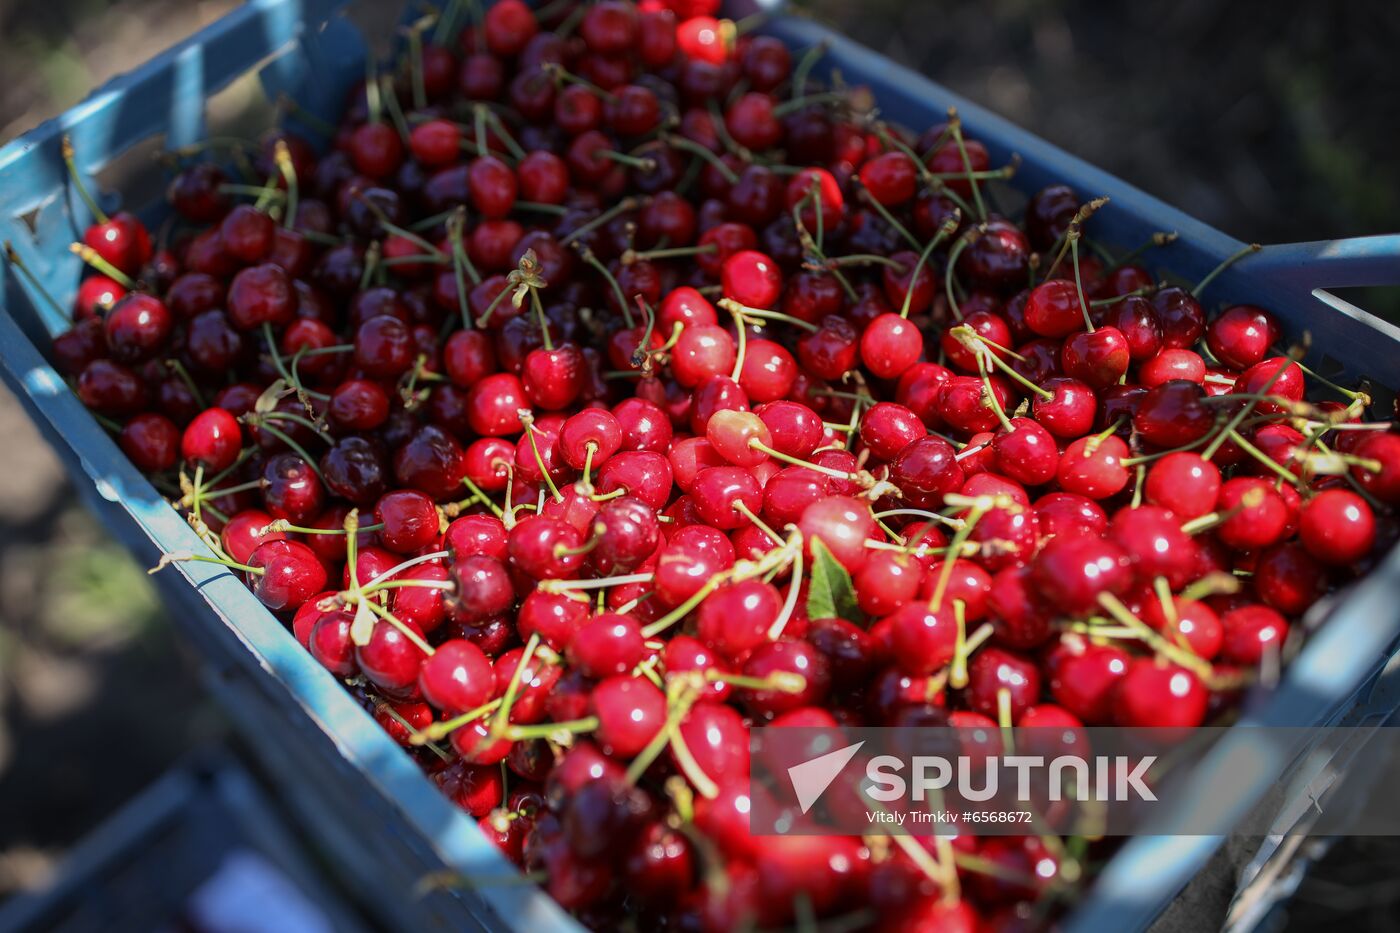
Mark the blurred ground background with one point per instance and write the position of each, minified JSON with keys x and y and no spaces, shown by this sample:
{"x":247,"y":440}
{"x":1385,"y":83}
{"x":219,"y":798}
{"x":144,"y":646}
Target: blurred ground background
{"x":1272,"y":121}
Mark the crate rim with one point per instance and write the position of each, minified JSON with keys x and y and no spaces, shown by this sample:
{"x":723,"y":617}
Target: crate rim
{"x":1292,"y":273}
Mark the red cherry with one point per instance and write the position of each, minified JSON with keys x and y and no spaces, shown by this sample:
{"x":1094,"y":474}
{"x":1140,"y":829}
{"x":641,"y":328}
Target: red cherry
{"x":212,"y":440}
{"x":1072,"y":571}
{"x":291,"y":575}
{"x":1158,"y":695}
{"x":1250,"y":632}
{"x":630,"y":712}
{"x":1173,"y":414}
{"x":606,"y":645}
{"x":1337,"y":527}
{"x":457,"y":677}
{"x":151,"y":441}
{"x":1242,"y":335}
{"x":1184,"y":482}
{"x":842,"y":524}
{"x":890,"y":345}
{"x":1258,"y":514}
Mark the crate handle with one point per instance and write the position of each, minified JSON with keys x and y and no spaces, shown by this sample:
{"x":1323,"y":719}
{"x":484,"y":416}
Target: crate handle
{"x":1346,"y":263}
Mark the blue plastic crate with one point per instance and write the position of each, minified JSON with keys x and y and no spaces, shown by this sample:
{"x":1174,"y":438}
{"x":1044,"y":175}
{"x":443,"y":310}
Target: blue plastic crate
{"x":374,"y":815}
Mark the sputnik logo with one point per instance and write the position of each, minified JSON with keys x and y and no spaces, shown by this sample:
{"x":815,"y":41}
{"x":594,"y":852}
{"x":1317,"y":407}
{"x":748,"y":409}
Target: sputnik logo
{"x":811,"y":778}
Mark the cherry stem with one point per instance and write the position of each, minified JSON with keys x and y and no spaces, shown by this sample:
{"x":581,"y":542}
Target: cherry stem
{"x":622,"y":206}
{"x":742,"y":508}
{"x":980,"y":507}
{"x":834,"y":473}
{"x":920,"y":513}
{"x":1264,"y":459}
{"x":14,"y":259}
{"x":775,"y":631}
{"x":1079,"y":280}
{"x":957,"y":674}
{"x":397,"y":623}
{"x":528,"y":420}
{"x":71,"y":163}
{"x":1182,"y":657}
{"x":804,"y":68}
{"x":381,"y":579}
{"x":566,"y":586}
{"x":955,"y":127}
{"x":1135,"y":293}
{"x":991,"y":395}
{"x":741,"y":328}
{"x":641,"y":163}
{"x":295,"y":447}
{"x":287,"y":168}
{"x":294,"y":418}
{"x":563,"y":76}
{"x":603,"y":270}
{"x":964,"y":241}
{"x":693,"y":772}
{"x":495,"y":303}
{"x":167,"y":559}
{"x":479,"y":496}
{"x":689,"y":145}
{"x":461,"y":262}
{"x":558,"y":210}
{"x":550,"y":730}
{"x":1225,"y":264}
{"x":1075,"y":224}
{"x":281,"y":525}
{"x":94,"y":259}
{"x":944,"y":231}
{"x":744,"y":311}
{"x":889,"y":218}
{"x":1156,"y":240}
{"x":502,"y":132}
{"x":1251,"y":499}
{"x":1344,"y":392}
{"x":676,"y":252}
{"x":1240,"y":415}
{"x":502,"y":719}
{"x":441,"y":730}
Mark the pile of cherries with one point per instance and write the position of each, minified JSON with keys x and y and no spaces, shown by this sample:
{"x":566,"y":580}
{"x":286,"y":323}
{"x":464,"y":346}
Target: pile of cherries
{"x":608,"y":387}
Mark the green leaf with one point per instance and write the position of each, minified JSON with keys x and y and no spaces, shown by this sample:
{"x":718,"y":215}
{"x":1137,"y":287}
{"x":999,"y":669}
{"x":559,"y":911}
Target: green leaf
{"x":831,"y":594}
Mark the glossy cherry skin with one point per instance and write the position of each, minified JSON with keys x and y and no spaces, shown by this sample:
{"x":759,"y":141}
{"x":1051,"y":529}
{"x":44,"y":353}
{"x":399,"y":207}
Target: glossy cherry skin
{"x":1072,"y":571}
{"x":1337,"y":527}
{"x":1094,"y":468}
{"x":691,"y":556}
{"x":432,"y":462}
{"x":1070,"y":412}
{"x":1242,"y":335}
{"x":1251,"y":631}
{"x":841,"y":523}
{"x":630,"y":712}
{"x":922,"y":640}
{"x":993,"y":670}
{"x":1184,"y":482}
{"x":1173,"y":414}
{"x":261,"y":295}
{"x":890,"y":345}
{"x":1153,"y":540}
{"x":1027,"y":453}
{"x":626,"y":533}
{"x":1158,"y":695}
{"x":291,"y":489}
{"x":291,"y":575}
{"x":151,"y":441}
{"x":1258,"y":514}
{"x":735,"y":619}
{"x":212,"y":440}
{"x":410,"y":521}
{"x":457,"y":677}
{"x":1099,"y":358}
{"x":927,"y":470}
